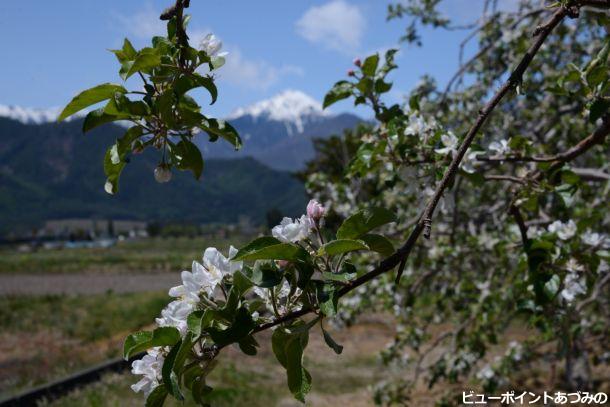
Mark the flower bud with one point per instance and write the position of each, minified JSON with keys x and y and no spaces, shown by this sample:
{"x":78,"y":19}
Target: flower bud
{"x":315,"y":210}
{"x":351,"y":73}
{"x":283,"y":263}
{"x":358,"y":62}
{"x":163,"y":174}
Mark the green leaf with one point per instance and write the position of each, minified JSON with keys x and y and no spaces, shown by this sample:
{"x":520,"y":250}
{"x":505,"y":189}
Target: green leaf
{"x":189,"y":157}
{"x":341,"y":246}
{"x":269,"y":248}
{"x":341,"y":90}
{"x":364,"y":221}
{"x":157,"y":397}
{"x":98,"y":117}
{"x":597,"y":75}
{"x":194,"y":80}
{"x":331,"y":342}
{"x":340,"y":277}
{"x":242,"y":326}
{"x":112,"y":170}
{"x":288,"y":347}
{"x":598,"y":109}
{"x":248,"y":345}
{"x":90,"y":97}
{"x":145,"y":61}
{"x":220,"y":128}
{"x":264,"y":274}
{"x":369,"y":66}
{"x":327,"y":298}
{"x":378,"y":243}
{"x":141,"y":341}
{"x":241,"y":282}
{"x":551,"y":287}
{"x":170,"y":378}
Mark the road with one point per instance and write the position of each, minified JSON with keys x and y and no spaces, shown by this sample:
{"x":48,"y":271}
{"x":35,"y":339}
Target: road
{"x":42,"y":284}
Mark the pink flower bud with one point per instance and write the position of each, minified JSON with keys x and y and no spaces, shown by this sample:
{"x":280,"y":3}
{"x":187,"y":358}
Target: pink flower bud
{"x":351,"y":73}
{"x":283,"y":263}
{"x":357,"y":62}
{"x":315,"y":210}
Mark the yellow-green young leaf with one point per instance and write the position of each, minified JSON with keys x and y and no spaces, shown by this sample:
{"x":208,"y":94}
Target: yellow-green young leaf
{"x":90,"y":97}
{"x":341,"y":246}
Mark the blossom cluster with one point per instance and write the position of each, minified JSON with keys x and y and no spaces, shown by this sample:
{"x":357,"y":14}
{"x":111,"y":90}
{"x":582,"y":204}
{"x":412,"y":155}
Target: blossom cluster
{"x":205,"y":283}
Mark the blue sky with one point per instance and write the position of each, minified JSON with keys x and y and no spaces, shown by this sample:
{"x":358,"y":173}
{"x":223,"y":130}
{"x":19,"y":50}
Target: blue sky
{"x":53,"y":49}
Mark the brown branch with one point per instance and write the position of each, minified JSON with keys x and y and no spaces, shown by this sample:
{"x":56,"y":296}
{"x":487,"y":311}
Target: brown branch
{"x":177,"y":11}
{"x":505,"y":178}
{"x":514,"y":210}
{"x":402,"y":254}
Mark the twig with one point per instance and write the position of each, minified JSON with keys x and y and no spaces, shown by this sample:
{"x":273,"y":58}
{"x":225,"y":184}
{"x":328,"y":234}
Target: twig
{"x":403,"y":252}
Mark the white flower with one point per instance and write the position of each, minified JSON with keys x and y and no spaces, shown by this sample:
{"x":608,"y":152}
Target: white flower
{"x":150,"y":368}
{"x":416,"y":125}
{"x":205,"y":278}
{"x":469,"y":163}
{"x":292,"y":231}
{"x":500,"y":147}
{"x":450,"y":143}
{"x":564,"y":231}
{"x":593,"y":238}
{"x":175,"y":314}
{"x":218,"y":265}
{"x":573,"y":266}
{"x":211,"y":46}
{"x":573,"y":286}
{"x":487,"y":373}
{"x":193,"y":283}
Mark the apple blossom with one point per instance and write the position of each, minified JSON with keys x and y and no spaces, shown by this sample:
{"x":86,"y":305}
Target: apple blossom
{"x":292,"y":231}
{"x":450,"y":143}
{"x":175,"y":314}
{"x":500,"y":147}
{"x":212,"y":46}
{"x":315,"y":210}
{"x":150,"y":368}
{"x":564,"y":231}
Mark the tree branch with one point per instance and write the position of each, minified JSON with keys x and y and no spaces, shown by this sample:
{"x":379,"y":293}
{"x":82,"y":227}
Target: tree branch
{"x":403,"y":252}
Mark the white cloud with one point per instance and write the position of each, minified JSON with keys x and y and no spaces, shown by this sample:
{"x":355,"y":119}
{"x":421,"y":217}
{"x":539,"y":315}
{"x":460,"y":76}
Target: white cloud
{"x":336,"y":25}
{"x":253,"y":74}
{"x":144,"y":24}
{"x":238,"y":70}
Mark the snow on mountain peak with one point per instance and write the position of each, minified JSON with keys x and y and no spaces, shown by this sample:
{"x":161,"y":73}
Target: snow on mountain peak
{"x":29,"y":115}
{"x":291,"y":106}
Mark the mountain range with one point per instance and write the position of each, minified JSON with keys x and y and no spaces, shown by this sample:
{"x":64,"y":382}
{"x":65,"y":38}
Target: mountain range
{"x":51,"y":170}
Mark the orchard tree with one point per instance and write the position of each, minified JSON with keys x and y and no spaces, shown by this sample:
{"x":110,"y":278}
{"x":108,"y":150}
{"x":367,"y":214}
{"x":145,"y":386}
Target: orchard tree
{"x":504,"y":172}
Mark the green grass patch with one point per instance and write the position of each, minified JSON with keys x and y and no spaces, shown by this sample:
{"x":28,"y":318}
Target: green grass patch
{"x":85,"y":317}
{"x":143,"y":255}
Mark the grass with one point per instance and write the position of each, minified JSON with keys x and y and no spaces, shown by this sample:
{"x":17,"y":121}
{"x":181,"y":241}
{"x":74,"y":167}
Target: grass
{"x":45,"y":338}
{"x":143,"y":255}
{"x":87,"y":318}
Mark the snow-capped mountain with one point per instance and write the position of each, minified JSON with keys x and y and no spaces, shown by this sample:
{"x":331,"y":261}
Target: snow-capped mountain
{"x":292,"y":107}
{"x":276,"y":131}
{"x":27,"y":115}
{"x":279,"y":131}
